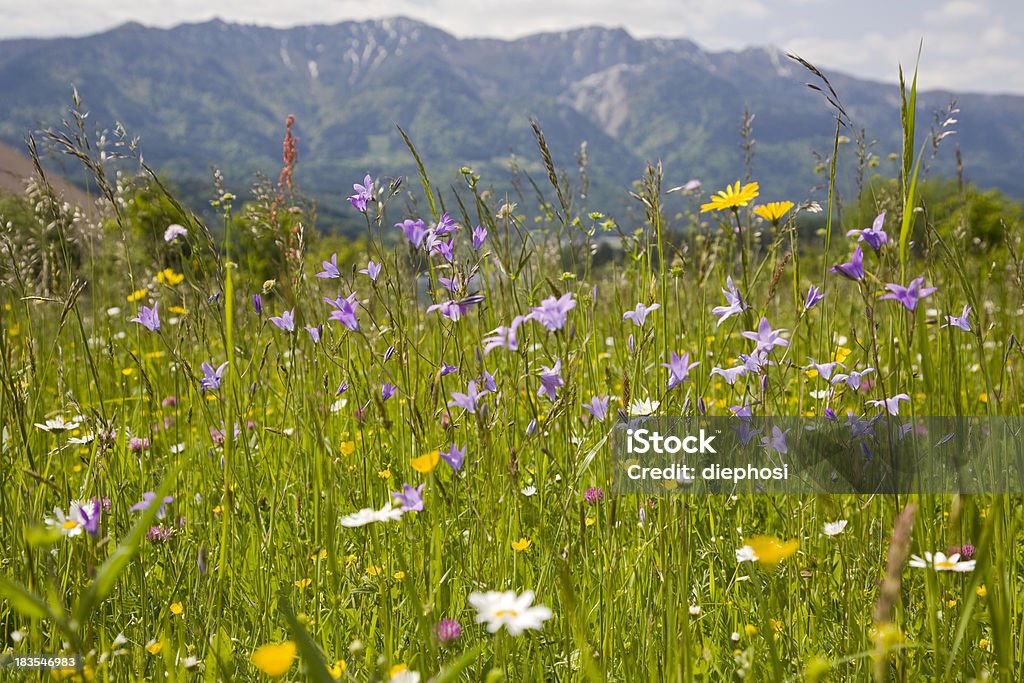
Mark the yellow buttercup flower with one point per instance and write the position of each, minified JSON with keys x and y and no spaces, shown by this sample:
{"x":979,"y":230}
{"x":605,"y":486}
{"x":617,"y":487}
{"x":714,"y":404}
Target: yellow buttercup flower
{"x":348,"y":447}
{"x":137,"y":294}
{"x":154,"y":647}
{"x":303,"y":583}
{"x":773,"y":211}
{"x":770,"y":550}
{"x":521,"y":545}
{"x":177,"y":608}
{"x":841,"y":354}
{"x":750,"y":630}
{"x":274,"y":659}
{"x":731,"y":197}
{"x":340,"y":667}
{"x":168,"y":277}
{"x":426,"y":463}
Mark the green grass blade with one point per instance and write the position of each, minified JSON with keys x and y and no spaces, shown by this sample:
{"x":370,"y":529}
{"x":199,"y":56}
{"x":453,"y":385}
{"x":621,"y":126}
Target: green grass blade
{"x":424,"y":180}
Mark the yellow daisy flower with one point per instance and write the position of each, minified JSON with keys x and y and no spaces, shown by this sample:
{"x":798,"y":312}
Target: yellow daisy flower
{"x":773,"y":211}
{"x":731,"y":197}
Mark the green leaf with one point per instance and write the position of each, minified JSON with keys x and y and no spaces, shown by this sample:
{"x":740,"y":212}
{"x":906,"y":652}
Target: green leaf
{"x":452,"y":672}
{"x":24,"y":601}
{"x":908,"y":213}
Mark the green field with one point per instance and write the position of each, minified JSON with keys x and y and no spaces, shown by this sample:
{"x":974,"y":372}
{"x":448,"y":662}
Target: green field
{"x":170,"y":520}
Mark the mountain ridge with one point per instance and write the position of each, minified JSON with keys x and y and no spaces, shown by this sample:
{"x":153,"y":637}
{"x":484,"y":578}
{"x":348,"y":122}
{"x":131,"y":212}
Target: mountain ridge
{"x":218,"y":93}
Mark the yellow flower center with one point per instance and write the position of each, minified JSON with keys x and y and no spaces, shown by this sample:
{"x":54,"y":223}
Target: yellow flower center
{"x":506,"y":613}
{"x":945,"y":565}
{"x":70,"y":524}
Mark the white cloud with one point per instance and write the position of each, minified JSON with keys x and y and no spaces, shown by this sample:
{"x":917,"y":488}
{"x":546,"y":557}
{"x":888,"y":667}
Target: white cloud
{"x":958,"y":10}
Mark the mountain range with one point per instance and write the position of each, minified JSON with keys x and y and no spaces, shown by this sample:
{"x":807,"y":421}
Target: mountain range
{"x":218,"y":94}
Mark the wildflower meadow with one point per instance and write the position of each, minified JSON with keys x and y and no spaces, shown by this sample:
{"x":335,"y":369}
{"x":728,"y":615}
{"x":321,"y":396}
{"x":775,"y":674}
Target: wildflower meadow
{"x":237,"y":449}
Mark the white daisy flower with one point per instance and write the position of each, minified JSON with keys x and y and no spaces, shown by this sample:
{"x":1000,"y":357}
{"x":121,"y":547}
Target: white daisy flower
{"x":59,"y":424}
{"x":515,"y":612}
{"x":529,"y":491}
{"x":746,"y":554}
{"x":66,"y":524}
{"x":941,"y":563}
{"x":644,"y":407}
{"x":369,"y":515}
{"x":834,"y":528}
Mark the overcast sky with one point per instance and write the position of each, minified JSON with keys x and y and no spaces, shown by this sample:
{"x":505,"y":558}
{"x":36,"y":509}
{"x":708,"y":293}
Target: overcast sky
{"x":969,"y":45}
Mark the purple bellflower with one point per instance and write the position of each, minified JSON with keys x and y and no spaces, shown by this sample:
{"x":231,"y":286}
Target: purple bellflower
{"x":410,"y":499}
{"x":148,"y":499}
{"x":469,"y":401}
{"x":550,"y":380}
{"x":454,"y":456}
{"x":479,"y":236}
{"x":345,"y":311}
{"x":766,"y":338}
{"x":598,"y":407}
{"x":814,"y":296}
{"x":854,"y":270}
{"x":678,"y":369}
{"x":330,"y":270}
{"x":734,"y":300}
{"x":364,"y":193}
{"x":962,"y":321}
{"x":910,"y":295}
{"x":211,"y":378}
{"x":639,"y":314}
{"x":148,"y":317}
{"x":874,"y":236}
{"x":552,"y":311}
{"x":286,"y":321}
{"x":372,"y":270}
